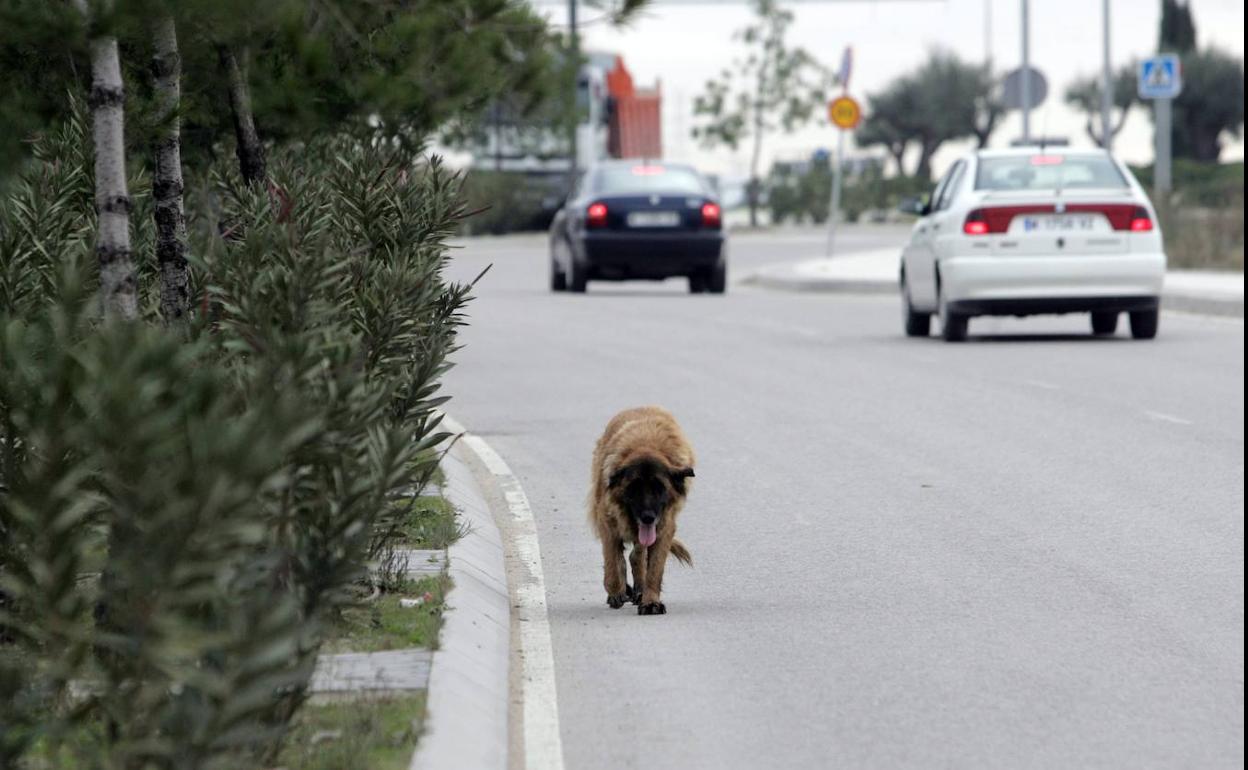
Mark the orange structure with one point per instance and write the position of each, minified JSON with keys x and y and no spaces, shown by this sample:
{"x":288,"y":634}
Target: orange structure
{"x":636,"y":129}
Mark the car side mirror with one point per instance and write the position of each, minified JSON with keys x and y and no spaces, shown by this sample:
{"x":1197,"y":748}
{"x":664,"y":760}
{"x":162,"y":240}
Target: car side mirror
{"x":916,"y":205}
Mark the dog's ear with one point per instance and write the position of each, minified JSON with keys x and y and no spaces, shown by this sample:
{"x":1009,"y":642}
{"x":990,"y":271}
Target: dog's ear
{"x":618,"y":477}
{"x":678,"y":477}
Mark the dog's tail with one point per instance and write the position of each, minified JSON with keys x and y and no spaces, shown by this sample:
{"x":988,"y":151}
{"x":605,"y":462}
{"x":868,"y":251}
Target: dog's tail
{"x":681,"y":553}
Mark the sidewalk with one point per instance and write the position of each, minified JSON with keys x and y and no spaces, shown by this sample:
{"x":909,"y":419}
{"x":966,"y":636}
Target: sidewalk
{"x":875,"y":272}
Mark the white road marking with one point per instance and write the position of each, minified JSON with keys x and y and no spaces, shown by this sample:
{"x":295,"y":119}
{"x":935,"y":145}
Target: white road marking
{"x":1163,"y":417}
{"x":543,"y":746}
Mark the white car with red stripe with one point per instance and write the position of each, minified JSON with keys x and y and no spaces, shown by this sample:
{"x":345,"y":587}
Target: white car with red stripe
{"x":1030,"y":231}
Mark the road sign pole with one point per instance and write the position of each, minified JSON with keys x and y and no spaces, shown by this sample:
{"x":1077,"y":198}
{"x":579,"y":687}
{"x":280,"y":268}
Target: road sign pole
{"x":1161,"y":165}
{"x":834,"y":210}
{"x":1026,"y":84}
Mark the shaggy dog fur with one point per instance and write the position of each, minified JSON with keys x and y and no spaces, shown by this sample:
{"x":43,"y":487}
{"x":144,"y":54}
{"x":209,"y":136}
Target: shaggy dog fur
{"x":641,"y":471}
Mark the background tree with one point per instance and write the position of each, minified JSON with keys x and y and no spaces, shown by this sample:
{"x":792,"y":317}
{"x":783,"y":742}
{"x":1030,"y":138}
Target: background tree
{"x":1178,"y":29}
{"x":118,"y":279}
{"x":1212,"y":101}
{"x":1085,"y":95}
{"x":774,"y":87}
{"x":1210,"y":106}
{"x":943,"y":100}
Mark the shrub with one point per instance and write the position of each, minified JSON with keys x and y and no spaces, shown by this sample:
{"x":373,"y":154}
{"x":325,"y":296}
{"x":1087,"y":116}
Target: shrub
{"x":236,"y":473}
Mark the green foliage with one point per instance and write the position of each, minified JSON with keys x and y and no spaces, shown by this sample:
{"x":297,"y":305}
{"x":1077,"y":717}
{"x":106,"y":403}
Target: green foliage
{"x":242,"y":469}
{"x":1203,"y":218}
{"x":503,"y":202}
{"x":1210,"y":106}
{"x":800,"y":192}
{"x":374,"y":735}
{"x":942,"y":100}
{"x":774,"y":87}
{"x":385,"y":624}
{"x":1178,"y":30}
{"x":873,"y":193}
{"x":1084,"y":95}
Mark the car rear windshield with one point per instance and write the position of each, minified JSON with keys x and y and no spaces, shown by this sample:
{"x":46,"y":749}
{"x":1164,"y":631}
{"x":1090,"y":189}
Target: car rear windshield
{"x":648,"y":179}
{"x":1047,"y":172}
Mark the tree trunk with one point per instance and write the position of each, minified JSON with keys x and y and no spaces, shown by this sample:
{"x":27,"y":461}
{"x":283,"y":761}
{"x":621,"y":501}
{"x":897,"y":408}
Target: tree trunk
{"x":898,"y":151}
{"x":926,"y":151}
{"x":250,"y":151}
{"x":118,"y":280}
{"x":167,"y":175}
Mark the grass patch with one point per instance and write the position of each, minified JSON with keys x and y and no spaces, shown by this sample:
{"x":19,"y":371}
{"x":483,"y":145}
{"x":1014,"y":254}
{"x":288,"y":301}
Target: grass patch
{"x":425,"y":522}
{"x":384,"y":624}
{"x":361,"y":735}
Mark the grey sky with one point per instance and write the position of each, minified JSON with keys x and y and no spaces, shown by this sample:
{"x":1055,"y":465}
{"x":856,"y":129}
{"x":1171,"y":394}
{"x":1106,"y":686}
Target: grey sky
{"x":683,"y":45}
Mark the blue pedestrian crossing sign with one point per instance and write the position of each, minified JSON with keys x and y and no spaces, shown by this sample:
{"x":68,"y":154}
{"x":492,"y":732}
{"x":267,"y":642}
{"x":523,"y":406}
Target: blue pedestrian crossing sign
{"x":1161,"y":77}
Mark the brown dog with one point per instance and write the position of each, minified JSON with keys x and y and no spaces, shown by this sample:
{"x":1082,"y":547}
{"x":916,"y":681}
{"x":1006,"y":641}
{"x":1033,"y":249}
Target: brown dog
{"x":641,"y":469}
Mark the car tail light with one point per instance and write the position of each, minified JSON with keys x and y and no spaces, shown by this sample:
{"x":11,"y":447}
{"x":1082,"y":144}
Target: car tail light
{"x":975,"y":223}
{"x":596,"y":215}
{"x":1047,"y":160}
{"x":711,"y":216}
{"x":1141,"y":222}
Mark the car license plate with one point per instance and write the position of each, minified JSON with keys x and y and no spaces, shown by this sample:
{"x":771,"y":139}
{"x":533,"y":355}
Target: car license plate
{"x":653,"y":219}
{"x":1059,"y":223}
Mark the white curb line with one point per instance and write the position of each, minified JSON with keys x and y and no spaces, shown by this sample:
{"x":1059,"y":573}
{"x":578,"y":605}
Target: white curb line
{"x":543,"y":746}
{"x":469,"y":679}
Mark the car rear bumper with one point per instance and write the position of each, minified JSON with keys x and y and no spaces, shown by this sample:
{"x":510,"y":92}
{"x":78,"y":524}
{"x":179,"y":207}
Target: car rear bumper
{"x":623,"y":255}
{"x":1052,"y":284}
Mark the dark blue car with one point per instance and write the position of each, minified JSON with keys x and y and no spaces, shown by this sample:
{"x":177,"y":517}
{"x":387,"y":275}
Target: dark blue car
{"x":632,"y":220}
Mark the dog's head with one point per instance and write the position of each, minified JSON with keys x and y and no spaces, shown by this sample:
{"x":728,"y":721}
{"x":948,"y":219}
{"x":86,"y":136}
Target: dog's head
{"x":645,"y":489}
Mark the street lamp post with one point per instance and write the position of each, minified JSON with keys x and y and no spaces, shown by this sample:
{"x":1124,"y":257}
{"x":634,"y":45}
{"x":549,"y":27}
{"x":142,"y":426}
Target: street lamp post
{"x":574,"y":54}
{"x":1107,"y":83}
{"x":1026,"y":75}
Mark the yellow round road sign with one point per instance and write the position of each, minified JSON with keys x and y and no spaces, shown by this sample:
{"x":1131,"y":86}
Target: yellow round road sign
{"x":845,"y":113}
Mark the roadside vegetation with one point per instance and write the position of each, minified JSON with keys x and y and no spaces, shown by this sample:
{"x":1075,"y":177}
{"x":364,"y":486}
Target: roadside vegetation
{"x":224,"y":322}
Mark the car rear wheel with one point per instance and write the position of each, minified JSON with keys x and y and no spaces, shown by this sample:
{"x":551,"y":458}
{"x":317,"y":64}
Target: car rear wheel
{"x":717,"y":278}
{"x":697,"y":283}
{"x":1144,"y":324}
{"x":953,"y":326}
{"x":1104,"y":323}
{"x":578,"y":277}
{"x":917,"y":324}
{"x":558,"y":281}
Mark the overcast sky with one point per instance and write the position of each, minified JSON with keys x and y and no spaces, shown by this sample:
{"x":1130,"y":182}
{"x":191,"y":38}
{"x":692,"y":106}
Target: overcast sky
{"x":684,"y":45}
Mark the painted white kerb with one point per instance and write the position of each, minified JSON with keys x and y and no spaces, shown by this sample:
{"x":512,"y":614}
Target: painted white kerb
{"x":543,"y":747}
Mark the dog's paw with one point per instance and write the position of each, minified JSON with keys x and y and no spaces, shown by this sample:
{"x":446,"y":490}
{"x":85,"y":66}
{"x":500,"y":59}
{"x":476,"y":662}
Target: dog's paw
{"x":653,"y":608}
{"x":634,"y":594}
{"x":616,"y":601}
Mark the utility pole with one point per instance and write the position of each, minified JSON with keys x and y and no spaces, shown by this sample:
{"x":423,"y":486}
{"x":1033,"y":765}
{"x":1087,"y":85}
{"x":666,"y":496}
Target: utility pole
{"x":574,"y":54}
{"x":1107,"y":84}
{"x":1026,"y":84}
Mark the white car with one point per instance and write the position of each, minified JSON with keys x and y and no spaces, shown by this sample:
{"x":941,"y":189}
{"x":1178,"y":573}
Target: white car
{"x":1029,"y":231}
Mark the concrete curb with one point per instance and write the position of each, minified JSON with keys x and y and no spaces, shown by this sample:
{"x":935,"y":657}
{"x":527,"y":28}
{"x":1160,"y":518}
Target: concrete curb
{"x":467,"y":703}
{"x":780,"y":279}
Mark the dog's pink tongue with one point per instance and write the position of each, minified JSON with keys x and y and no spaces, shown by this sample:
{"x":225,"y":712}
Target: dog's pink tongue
{"x":647,"y":534}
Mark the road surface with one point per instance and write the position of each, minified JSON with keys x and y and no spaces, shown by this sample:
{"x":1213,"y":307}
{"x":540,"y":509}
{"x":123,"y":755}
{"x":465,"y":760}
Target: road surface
{"x":1022,"y":551}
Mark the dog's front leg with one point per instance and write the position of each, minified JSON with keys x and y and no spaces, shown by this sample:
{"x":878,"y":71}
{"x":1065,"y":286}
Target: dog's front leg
{"x":656,"y":559}
{"x":613,"y":572}
{"x":638,"y":561}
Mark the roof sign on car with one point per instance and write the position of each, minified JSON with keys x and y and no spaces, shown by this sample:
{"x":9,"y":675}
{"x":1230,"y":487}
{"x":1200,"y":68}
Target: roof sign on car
{"x":647,"y":170}
{"x":1047,"y":160}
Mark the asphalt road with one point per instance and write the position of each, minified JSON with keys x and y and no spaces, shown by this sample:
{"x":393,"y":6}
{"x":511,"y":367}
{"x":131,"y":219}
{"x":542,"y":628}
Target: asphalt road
{"x":1023,"y":551}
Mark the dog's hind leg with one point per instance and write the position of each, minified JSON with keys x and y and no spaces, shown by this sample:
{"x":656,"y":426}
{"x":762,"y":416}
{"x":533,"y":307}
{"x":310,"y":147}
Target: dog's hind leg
{"x":656,"y":560}
{"x":613,"y":572}
{"x":638,"y":561}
